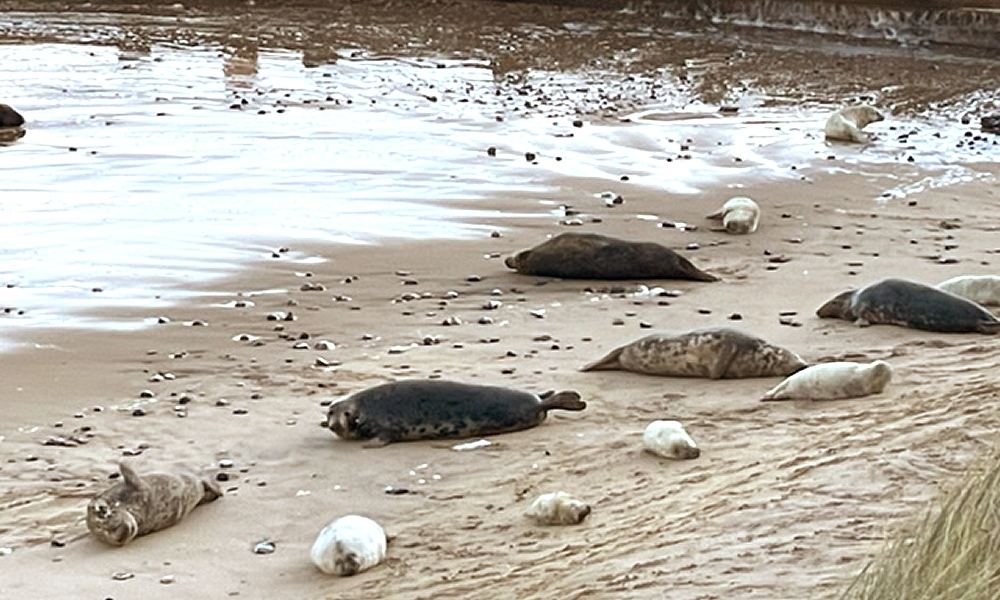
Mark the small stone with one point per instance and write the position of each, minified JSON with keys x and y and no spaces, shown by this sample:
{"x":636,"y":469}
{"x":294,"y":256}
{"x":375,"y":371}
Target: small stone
{"x":138,"y":412}
{"x":735,"y":317}
{"x":146,"y":394}
{"x":167,"y":579}
{"x":324,"y":345}
{"x":122,"y":576}
{"x":485,"y":320}
{"x":264,"y":547}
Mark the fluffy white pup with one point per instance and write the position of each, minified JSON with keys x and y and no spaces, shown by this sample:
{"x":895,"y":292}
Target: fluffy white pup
{"x":834,"y":380}
{"x":739,"y":215}
{"x":349,"y":545}
{"x":558,"y":508}
{"x":981,"y":289}
{"x":669,"y":440}
{"x":846,"y":124}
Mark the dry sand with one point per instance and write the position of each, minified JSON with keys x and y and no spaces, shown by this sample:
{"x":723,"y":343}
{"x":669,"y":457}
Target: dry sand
{"x":788,"y":499}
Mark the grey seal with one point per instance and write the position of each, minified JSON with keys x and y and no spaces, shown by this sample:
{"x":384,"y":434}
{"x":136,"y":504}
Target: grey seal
{"x":138,"y":505}
{"x":11,"y":124}
{"x":714,"y":352}
{"x":416,"y":409}
{"x":595,"y":256}
{"x":846,"y":124}
{"x":981,"y":289}
{"x":833,"y":381}
{"x":910,"y":304}
{"x":739,"y":215}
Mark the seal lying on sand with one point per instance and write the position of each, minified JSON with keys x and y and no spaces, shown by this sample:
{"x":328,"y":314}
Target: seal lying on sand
{"x":832,"y":381}
{"x":910,"y":304}
{"x":595,"y":256}
{"x":11,"y":124}
{"x":981,"y":289}
{"x":432,"y":409}
{"x":669,"y":440}
{"x":558,"y":508}
{"x":739,"y":215}
{"x":716,"y":352}
{"x":349,"y":545}
{"x":138,"y":505}
{"x":846,"y":124}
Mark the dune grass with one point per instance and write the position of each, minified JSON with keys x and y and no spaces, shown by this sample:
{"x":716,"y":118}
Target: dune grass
{"x":952,"y":553}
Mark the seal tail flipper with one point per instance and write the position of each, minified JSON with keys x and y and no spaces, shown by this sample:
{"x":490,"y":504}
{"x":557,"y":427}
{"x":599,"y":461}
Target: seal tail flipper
{"x":609,"y":363}
{"x":699,"y":275}
{"x":717,"y":214}
{"x":566,"y":400}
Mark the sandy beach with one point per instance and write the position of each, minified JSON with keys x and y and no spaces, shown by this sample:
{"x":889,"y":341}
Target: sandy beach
{"x":788,"y":500}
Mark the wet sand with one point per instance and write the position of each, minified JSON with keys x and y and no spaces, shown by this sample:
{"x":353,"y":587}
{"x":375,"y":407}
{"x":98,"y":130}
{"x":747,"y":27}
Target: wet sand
{"x":787,"y":500}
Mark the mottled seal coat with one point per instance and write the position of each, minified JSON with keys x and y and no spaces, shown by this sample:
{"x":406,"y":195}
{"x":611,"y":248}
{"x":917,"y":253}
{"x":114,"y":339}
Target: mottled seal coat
{"x":558,"y":508}
{"x":348,"y":546}
{"x":739,"y":215}
{"x":138,"y":505}
{"x":832,"y":381}
{"x":910,"y":304}
{"x":669,"y":440}
{"x":594,"y":256}
{"x":981,"y":289}
{"x":433,"y":409}
{"x":716,"y":353}
{"x":846,"y":124}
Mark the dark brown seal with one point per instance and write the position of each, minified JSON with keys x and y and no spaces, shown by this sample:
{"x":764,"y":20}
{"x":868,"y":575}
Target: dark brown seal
{"x":714,"y":352}
{"x":910,"y":304}
{"x":433,"y":409}
{"x":595,"y":256}
{"x":138,"y":505}
{"x":11,"y":124}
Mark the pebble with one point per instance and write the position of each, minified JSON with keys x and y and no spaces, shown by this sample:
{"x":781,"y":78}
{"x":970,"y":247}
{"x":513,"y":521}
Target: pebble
{"x":492,"y":305}
{"x":264,"y":547}
{"x":324,"y":345}
{"x":167,"y":579}
{"x":146,"y":394}
{"x":122,"y":576}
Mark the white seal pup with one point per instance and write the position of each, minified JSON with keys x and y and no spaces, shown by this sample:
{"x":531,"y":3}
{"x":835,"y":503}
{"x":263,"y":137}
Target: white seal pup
{"x":832,"y":381}
{"x":846,"y":124}
{"x":739,"y":215}
{"x":669,"y":440}
{"x":138,"y":505}
{"x":348,"y":546}
{"x":558,"y":508}
{"x":713,"y":352}
{"x":981,"y":289}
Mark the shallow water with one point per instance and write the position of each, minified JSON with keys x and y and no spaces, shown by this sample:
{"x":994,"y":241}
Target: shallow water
{"x":169,"y":146}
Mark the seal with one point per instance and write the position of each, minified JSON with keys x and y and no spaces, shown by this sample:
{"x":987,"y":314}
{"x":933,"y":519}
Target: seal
{"x":348,"y":546}
{"x":558,"y":508}
{"x":910,"y":304}
{"x":430,"y":409}
{"x":11,"y":124}
{"x":846,"y":124}
{"x":138,"y":505}
{"x":833,"y":381}
{"x":594,"y":256}
{"x":669,"y":440}
{"x":715,"y":352}
{"x":981,"y":289}
{"x":739,"y":215}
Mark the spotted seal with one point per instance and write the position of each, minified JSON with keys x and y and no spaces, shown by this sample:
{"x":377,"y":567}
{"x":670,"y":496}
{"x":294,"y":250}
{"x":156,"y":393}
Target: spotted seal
{"x":846,"y":124}
{"x":594,"y":256}
{"x":348,"y":546}
{"x":558,"y":508}
{"x":417,"y":409}
{"x":739,"y":215}
{"x":669,"y":440}
{"x":138,"y":505}
{"x":910,"y":304}
{"x":981,"y":289}
{"x":833,"y":381}
{"x":715,"y":352}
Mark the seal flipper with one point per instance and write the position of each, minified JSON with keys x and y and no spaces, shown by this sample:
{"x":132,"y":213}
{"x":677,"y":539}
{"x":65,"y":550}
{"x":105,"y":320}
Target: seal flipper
{"x":722,"y":361}
{"x":566,"y":400}
{"x":610,"y":362}
{"x":377,"y":442}
{"x":210,"y":488}
{"x":988,"y":327}
{"x":131,"y":478}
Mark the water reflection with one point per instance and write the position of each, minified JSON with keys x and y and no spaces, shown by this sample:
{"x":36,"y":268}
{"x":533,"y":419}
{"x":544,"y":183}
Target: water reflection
{"x":167,"y":148}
